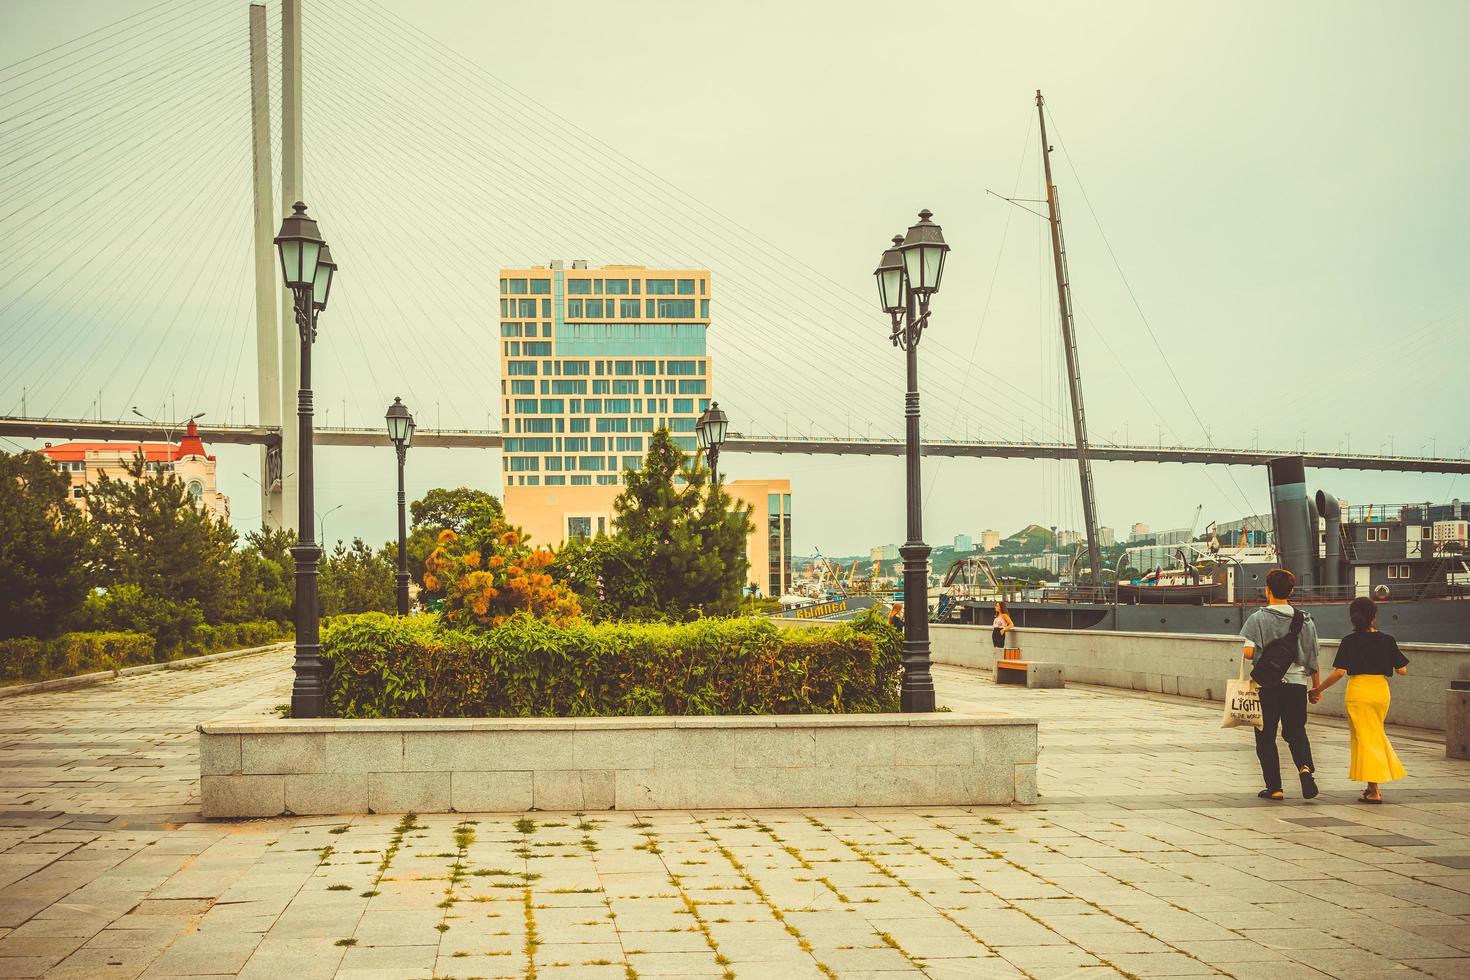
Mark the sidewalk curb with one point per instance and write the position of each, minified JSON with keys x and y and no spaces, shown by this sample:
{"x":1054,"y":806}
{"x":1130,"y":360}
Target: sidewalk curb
{"x":107,"y":676}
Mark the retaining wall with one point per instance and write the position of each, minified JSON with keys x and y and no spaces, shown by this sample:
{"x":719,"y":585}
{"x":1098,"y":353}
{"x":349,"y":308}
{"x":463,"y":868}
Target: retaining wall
{"x":1197,"y":665}
{"x":270,"y":767}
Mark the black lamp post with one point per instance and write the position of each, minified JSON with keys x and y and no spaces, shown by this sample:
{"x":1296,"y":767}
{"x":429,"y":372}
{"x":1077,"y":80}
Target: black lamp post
{"x":908,"y":276}
{"x":307,"y":266}
{"x":711,"y":429}
{"x":400,"y":433}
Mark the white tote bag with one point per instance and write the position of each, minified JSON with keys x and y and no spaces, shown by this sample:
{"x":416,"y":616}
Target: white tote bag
{"x":1242,"y":701}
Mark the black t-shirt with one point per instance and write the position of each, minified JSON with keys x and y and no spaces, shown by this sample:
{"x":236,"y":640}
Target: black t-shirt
{"x":1369,"y":653}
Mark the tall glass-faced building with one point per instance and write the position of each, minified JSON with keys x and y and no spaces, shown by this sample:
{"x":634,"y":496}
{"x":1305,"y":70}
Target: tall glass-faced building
{"x":593,"y":361}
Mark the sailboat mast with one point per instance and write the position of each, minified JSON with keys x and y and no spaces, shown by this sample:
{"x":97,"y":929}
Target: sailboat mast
{"x":1069,"y":343}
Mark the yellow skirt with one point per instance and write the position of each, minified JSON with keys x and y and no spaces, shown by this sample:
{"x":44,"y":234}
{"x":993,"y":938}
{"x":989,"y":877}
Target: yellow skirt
{"x":1372,"y":758}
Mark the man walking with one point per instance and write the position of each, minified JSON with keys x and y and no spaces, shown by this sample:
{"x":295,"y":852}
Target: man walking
{"x":1284,"y":703}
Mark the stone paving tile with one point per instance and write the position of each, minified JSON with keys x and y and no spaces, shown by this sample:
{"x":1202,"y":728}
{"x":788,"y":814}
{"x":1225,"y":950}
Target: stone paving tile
{"x":1148,"y":856}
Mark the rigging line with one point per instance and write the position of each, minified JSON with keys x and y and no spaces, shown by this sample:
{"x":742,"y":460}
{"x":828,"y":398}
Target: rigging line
{"x":84,"y":90}
{"x":181,"y":246}
{"x":228,"y":316}
{"x":1015,"y":201}
{"x":1205,"y":468}
{"x":989,"y":295}
{"x":676,"y":216}
{"x":105,"y":119}
{"x":599,"y":212}
{"x":1136,"y":305}
{"x":144,"y":169}
{"x":170,"y":4}
{"x":139,"y":177}
{"x":69,"y":76}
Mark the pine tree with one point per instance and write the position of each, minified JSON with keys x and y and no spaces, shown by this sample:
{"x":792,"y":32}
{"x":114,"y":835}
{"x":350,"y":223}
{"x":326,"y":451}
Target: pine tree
{"x":684,"y":534}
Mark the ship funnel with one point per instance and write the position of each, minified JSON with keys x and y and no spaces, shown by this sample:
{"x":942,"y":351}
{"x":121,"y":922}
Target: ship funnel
{"x":1331,"y":512}
{"x":1296,"y":530}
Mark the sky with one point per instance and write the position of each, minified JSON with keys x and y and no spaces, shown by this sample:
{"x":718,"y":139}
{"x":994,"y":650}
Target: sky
{"x":1265,"y":218}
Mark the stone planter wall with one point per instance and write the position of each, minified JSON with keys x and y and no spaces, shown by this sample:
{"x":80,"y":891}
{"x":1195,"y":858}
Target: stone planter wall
{"x":272,"y":767}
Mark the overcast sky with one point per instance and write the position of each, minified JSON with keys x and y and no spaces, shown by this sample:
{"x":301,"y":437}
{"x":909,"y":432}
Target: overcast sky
{"x":1269,"y":199}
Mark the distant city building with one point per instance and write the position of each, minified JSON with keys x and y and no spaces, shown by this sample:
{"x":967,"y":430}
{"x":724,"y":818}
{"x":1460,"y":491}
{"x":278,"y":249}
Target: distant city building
{"x":87,"y":462}
{"x":1049,"y":562}
{"x":1105,"y":537}
{"x":886,"y":552}
{"x":1068,"y":539}
{"x":1138,"y":532}
{"x":593,"y":361}
{"x":768,"y":547}
{"x":1257,"y":529}
{"x":963,"y":542}
{"x":989,"y":540}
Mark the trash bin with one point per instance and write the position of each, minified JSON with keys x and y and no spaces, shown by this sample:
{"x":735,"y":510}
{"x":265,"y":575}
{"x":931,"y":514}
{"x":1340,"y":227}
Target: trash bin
{"x":1457,"y":720}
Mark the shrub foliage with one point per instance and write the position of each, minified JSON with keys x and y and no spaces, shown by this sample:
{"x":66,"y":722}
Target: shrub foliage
{"x":28,"y":658}
{"x":527,"y":667}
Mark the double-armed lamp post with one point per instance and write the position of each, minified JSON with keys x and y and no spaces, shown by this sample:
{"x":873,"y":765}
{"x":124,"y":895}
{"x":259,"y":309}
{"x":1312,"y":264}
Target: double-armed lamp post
{"x":711,"y":428}
{"x":908,"y":277}
{"x":307,"y":266}
{"x":400,"y":433}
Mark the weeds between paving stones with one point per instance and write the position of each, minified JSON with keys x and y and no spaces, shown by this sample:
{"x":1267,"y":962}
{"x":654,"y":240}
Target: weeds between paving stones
{"x":407,"y":823}
{"x":754,"y":886}
{"x":532,"y":939}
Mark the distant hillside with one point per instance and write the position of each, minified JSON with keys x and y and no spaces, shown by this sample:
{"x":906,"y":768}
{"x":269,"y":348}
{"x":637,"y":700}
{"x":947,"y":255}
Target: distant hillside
{"x":1032,"y":537}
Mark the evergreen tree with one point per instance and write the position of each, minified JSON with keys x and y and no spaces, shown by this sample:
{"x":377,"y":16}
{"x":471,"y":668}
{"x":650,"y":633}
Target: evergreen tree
{"x":358,"y":579}
{"x":684,"y":536}
{"x":43,"y":577}
{"x":148,"y":532}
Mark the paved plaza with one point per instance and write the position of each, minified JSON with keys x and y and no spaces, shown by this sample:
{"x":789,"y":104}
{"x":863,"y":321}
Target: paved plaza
{"x":1148,"y":856}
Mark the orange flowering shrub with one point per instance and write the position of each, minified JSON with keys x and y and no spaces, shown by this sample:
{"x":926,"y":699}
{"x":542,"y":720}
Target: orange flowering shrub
{"x":486,"y":575}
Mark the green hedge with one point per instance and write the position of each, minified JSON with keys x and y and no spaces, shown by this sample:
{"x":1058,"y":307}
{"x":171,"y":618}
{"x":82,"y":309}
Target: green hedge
{"x":414,"y":668}
{"x":25,"y":659}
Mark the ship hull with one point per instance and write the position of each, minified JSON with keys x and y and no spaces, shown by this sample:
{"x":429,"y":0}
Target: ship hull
{"x":1426,"y":621}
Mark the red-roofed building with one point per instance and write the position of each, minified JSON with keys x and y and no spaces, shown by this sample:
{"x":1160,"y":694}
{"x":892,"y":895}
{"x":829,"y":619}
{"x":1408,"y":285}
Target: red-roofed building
{"x":87,"y":461}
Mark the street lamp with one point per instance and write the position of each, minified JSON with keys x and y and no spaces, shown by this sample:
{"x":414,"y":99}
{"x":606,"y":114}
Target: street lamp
{"x":908,"y":277}
{"x":711,"y":429}
{"x":400,"y":433}
{"x":308,"y":270}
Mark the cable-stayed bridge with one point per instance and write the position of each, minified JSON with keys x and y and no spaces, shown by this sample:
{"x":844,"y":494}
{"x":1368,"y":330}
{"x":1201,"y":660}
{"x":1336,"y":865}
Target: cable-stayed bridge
{"x":134,"y":157}
{"x":254,"y":435}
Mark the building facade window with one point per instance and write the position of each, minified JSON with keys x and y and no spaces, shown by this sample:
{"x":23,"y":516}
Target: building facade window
{"x":675,"y":308}
{"x":660,"y":287}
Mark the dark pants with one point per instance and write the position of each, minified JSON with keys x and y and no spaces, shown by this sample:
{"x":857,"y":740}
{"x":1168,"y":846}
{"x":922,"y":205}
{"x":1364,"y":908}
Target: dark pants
{"x":1286,"y":705}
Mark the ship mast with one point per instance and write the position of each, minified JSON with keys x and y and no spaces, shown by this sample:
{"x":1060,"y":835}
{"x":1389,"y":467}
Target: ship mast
{"x":1069,"y":343}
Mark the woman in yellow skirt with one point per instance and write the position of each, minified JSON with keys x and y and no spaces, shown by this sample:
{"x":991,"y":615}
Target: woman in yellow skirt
{"x":1367,"y":658}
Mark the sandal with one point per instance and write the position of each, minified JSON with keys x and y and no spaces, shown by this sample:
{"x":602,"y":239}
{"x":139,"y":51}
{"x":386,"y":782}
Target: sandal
{"x":1272,"y":794}
{"x":1365,"y":798}
{"x":1309,"y":785}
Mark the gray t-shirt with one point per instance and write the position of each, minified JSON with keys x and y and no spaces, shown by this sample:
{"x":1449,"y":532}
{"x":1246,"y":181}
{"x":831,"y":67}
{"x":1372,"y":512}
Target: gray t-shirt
{"x":1270,"y":622}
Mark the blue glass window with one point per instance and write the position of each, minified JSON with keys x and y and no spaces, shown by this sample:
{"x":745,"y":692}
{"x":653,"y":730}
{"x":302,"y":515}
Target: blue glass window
{"x":527,"y":308}
{"x":540,"y":287}
{"x":579,"y":287}
{"x":704,"y":309}
{"x":686,"y":287}
{"x":684,"y":406}
{"x":675,"y":308}
{"x":510,"y":330}
{"x":520,"y":367}
{"x":576,"y":367}
{"x":679,"y":367}
{"x":594,"y":307}
{"x":691,"y":387}
{"x":517,"y":287}
{"x":660,"y":287}
{"x":574,"y":307}
{"x":523,"y":387}
{"x":552,"y":406}
{"x":537,"y":425}
{"x":628,"y":309}
{"x":525,"y":406}
{"x":541,"y":348}
{"x":615,"y":287}
{"x":580,"y":425}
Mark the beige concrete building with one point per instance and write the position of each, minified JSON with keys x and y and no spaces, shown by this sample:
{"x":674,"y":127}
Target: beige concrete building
{"x":593,"y":361}
{"x":989,"y":539}
{"x":768,"y":548}
{"x":86,"y":462}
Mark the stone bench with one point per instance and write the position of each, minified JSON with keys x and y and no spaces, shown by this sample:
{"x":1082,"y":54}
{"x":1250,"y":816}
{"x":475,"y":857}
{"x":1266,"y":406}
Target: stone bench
{"x":274,"y":767}
{"x":1031,"y":673}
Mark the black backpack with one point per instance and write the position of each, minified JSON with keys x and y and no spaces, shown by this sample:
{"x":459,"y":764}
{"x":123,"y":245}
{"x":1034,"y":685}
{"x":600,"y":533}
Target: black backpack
{"x":1272,"y":662}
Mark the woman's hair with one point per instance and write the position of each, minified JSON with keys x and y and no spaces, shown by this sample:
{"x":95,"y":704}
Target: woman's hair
{"x":1363,"y":611}
{"x":1001,"y":606}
